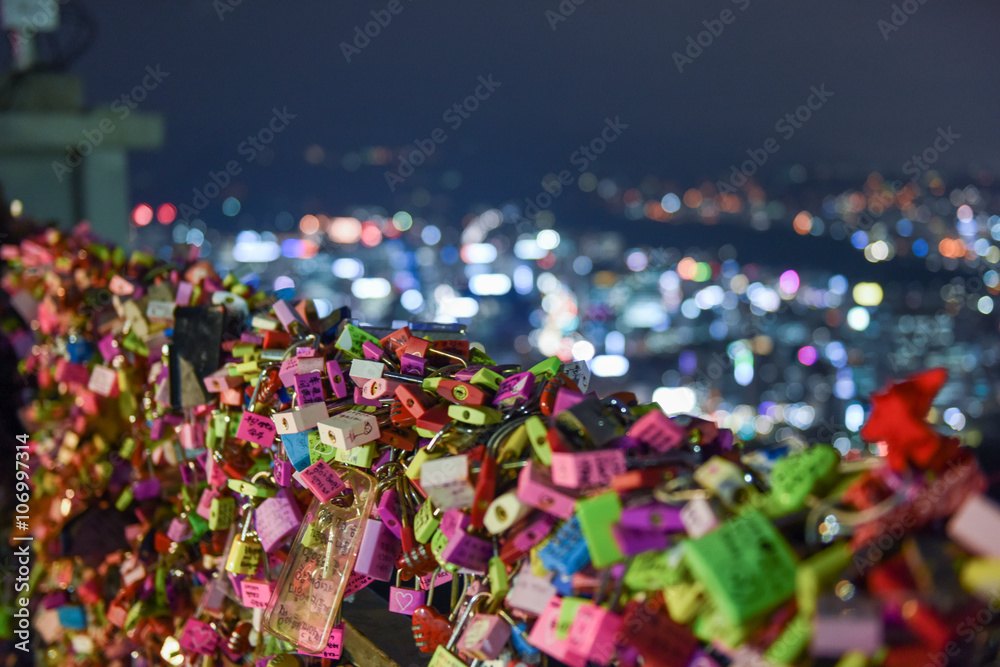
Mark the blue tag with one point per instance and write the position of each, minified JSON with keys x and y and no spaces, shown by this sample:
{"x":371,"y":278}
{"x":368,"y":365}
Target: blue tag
{"x":72,"y":617}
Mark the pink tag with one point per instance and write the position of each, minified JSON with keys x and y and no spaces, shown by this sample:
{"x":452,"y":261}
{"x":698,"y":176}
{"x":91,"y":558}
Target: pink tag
{"x":334,"y":645}
{"x":529,"y":593}
{"x":256,"y":429}
{"x":578,"y":470}
{"x":179,"y":530}
{"x":336,"y":376}
{"x":309,"y":389}
{"x":255,"y":593}
{"x":289,"y":368}
{"x":658,"y":431}
{"x":276,"y":518}
{"x":443,"y":577}
{"x":103,"y":381}
{"x":405,"y":600}
{"x":221,"y":380}
{"x":199,"y":637}
{"x":322,"y":480}
{"x":184,"y":292}
{"x":120,"y":286}
{"x":355,"y":583}
{"x":976,"y":526}
{"x":305,"y":352}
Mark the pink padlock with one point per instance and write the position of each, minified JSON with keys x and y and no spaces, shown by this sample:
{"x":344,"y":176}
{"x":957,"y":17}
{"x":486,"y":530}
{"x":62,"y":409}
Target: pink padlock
{"x":412,"y":365}
{"x":199,"y":637}
{"x":535,"y":487}
{"x":336,"y":377}
{"x":276,"y":518}
{"x":379,"y":388}
{"x":283,"y":472}
{"x":592,"y":632}
{"x":485,"y":636}
{"x":514,"y":389}
{"x":377,"y":552}
{"x":658,"y":431}
{"x":565,"y":399}
{"x":453,"y":521}
{"x":530,"y":593}
{"x":179,"y":530}
{"x":582,"y":470}
{"x":361,"y":399}
{"x":286,"y":314}
{"x":698,"y":517}
{"x":309,"y":389}
{"x":405,"y":600}
{"x":543,"y":636}
{"x":289,"y":368}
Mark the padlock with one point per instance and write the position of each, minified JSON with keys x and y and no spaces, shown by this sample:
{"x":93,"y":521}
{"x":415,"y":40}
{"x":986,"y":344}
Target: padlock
{"x":446,"y":482}
{"x":443,"y":656}
{"x":514,"y":390}
{"x":485,"y":636}
{"x":221,"y":514}
{"x":430,"y":628}
{"x":403,"y":600}
{"x":336,"y":377}
{"x":377,"y":552}
{"x":245,"y":553}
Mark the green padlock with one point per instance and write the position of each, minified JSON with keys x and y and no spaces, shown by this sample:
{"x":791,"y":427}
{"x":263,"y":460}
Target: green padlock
{"x":351,"y":340}
{"x":597,"y":514}
{"x":487,"y":379}
{"x":476,"y":416}
{"x":538,"y":436}
{"x":799,"y":475}
{"x":547,"y":368}
{"x":425,"y":522}
{"x":221,"y":513}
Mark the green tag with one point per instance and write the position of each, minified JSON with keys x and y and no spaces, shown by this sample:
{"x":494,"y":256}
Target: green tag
{"x":125,"y":499}
{"x":567,"y":613}
{"x":198,"y":524}
{"x":597,"y":514}
{"x":134,"y":344}
{"x":351,"y":340}
{"x":795,"y":477}
{"x":547,"y":368}
{"x":128,"y":448}
{"x":746,"y":566}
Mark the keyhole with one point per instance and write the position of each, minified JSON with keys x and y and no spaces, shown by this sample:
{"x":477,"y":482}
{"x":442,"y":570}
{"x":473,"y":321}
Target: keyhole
{"x":501,"y":513}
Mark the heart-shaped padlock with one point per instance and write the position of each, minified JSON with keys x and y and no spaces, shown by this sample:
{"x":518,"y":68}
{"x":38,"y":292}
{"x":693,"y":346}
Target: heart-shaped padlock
{"x":430,"y":629}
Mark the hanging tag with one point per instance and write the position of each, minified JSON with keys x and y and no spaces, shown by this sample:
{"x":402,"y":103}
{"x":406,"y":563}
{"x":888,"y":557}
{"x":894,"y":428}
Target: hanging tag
{"x":312,"y":583}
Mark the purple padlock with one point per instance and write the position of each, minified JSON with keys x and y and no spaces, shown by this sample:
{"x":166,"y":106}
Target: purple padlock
{"x":179,"y":530}
{"x":565,"y":399}
{"x":453,"y":521}
{"x":514,"y":389}
{"x":633,"y":542}
{"x":377,"y":552}
{"x":654,"y":517}
{"x":413,"y":365}
{"x":468,"y":552}
{"x":283,"y":472}
{"x":372,"y":351}
{"x":144,"y":489}
{"x":388,"y":512}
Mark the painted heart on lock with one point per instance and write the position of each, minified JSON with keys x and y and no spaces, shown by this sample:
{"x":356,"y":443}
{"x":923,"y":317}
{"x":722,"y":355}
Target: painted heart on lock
{"x":430,"y":629}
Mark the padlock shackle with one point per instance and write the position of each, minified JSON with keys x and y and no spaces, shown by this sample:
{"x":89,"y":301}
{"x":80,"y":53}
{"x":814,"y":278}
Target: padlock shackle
{"x":464,"y":618}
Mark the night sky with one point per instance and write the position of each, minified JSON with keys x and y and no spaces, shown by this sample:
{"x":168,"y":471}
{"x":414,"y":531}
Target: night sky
{"x":559,"y":80}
